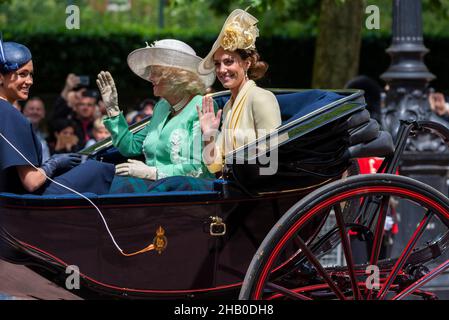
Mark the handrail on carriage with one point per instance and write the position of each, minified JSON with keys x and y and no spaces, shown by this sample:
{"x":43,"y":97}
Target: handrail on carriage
{"x":391,"y":163}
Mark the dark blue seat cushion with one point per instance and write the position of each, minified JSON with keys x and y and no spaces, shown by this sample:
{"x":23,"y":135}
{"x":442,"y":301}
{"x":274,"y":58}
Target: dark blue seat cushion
{"x":296,"y":105}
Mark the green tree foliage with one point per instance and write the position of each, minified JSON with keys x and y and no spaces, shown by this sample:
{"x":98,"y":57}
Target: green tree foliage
{"x":24,"y":14}
{"x":277,"y":17}
{"x":436,"y":17}
{"x":295,"y":17}
{"x":181,"y":17}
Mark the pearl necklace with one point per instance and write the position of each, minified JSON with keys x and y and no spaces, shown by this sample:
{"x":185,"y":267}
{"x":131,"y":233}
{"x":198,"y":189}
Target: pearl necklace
{"x":181,"y":104}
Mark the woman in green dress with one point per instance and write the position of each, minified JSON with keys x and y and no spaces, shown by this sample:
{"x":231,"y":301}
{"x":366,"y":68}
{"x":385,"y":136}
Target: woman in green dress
{"x":171,"y":142}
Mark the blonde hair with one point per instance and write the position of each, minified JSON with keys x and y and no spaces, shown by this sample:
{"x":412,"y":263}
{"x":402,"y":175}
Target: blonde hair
{"x":182,"y":82}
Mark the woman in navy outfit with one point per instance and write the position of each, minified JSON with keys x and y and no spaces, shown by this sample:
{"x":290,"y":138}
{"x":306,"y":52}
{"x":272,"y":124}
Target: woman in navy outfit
{"x":17,"y":175}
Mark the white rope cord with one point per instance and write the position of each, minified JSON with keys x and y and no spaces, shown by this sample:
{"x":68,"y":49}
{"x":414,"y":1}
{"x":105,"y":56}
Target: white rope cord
{"x":70,"y":189}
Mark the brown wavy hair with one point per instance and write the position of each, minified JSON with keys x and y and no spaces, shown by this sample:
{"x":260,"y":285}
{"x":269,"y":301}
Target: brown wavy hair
{"x":258,"y":67}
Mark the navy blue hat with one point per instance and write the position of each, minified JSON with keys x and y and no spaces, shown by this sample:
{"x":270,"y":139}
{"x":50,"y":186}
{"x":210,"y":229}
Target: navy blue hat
{"x":13,"y":56}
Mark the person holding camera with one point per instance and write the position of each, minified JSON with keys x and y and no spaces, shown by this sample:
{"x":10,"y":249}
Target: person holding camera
{"x":66,"y":140}
{"x":69,"y":96}
{"x":78,"y":104}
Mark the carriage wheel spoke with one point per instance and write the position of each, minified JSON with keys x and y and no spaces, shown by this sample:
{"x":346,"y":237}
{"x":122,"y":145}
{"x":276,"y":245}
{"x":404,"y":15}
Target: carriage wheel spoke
{"x":319,"y":268}
{"x":378,"y":235}
{"x":404,"y":273}
{"x":405,"y":254}
{"x":347,"y":250}
{"x":287,"y":292}
{"x":362,"y":210}
{"x":422,"y":281}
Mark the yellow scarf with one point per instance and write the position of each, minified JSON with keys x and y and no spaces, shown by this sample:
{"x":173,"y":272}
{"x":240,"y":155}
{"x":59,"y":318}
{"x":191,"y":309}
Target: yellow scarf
{"x":233,"y":117}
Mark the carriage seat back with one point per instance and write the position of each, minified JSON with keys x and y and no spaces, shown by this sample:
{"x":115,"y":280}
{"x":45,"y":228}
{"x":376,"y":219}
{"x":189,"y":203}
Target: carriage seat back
{"x":364,"y":136}
{"x":324,"y":130}
{"x":295,"y":105}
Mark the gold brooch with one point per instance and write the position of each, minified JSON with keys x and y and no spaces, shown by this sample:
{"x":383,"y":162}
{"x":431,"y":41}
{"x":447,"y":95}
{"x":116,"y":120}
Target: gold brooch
{"x":160,"y":241}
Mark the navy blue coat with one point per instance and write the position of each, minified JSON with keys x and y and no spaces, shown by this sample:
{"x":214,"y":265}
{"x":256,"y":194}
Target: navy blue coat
{"x":92,"y":176}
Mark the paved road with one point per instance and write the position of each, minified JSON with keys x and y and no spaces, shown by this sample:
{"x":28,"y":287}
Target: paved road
{"x":18,"y":282}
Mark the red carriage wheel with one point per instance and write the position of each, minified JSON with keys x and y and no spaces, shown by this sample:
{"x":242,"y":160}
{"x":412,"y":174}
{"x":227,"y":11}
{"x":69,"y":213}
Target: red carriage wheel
{"x":406,"y":273}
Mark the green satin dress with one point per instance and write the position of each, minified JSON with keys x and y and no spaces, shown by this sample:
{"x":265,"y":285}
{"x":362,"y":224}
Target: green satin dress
{"x":171,"y":144}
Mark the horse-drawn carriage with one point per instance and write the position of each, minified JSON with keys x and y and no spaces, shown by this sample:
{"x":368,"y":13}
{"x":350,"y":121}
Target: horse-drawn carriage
{"x":256,"y":235}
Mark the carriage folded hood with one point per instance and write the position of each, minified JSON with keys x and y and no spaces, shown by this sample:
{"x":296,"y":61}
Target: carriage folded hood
{"x":296,"y":105}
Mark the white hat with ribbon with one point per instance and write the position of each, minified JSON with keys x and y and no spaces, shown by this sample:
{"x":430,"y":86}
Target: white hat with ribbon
{"x":167,"y":53}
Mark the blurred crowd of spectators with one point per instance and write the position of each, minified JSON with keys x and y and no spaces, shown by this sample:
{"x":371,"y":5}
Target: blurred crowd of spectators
{"x":76,"y":119}
{"x":438,"y":105}
{"x":375,"y":98}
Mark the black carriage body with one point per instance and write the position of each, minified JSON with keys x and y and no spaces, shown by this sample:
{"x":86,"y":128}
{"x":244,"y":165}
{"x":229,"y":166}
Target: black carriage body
{"x":56,"y":234}
{"x":51,"y":233}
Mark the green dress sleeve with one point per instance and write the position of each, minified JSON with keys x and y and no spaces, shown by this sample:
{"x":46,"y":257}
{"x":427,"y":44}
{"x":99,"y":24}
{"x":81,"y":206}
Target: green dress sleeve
{"x":129,"y":144}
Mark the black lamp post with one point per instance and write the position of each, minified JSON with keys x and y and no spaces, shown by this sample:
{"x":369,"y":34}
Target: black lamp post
{"x":407,"y":49}
{"x":407,"y":99}
{"x":408,"y":76}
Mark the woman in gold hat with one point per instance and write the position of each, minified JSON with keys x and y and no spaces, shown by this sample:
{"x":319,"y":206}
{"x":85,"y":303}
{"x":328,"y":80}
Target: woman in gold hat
{"x":251,"y":112}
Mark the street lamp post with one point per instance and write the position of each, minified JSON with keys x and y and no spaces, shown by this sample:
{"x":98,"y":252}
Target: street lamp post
{"x":407,"y":76}
{"x":426,"y":157}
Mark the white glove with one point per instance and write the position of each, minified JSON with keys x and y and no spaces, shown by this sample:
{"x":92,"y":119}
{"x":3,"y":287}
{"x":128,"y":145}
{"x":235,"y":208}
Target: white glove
{"x":109,"y":93}
{"x":137,"y":169}
{"x":389,"y":223}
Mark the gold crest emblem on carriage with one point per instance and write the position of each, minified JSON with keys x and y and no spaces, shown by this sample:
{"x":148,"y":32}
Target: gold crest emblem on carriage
{"x":160,"y":241}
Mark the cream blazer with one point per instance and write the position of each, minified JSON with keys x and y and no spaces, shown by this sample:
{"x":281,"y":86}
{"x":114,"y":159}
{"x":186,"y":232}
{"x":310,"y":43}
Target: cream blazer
{"x":254,"y":113}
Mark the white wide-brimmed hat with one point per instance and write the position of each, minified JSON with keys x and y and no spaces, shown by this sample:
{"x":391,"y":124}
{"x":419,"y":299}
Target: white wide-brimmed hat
{"x":238,"y":32}
{"x":167,"y":53}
